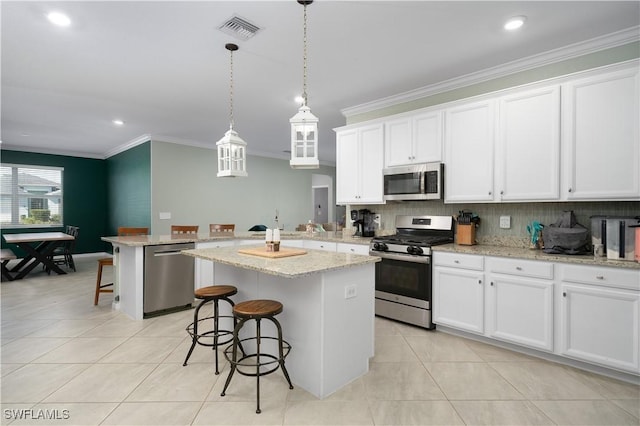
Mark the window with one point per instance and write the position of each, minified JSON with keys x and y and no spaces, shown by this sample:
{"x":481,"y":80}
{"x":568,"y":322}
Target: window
{"x":30,"y":196}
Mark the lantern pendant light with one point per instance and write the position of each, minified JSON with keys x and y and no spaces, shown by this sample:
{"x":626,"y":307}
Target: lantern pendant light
{"x":232,"y":160}
{"x":304,"y":125}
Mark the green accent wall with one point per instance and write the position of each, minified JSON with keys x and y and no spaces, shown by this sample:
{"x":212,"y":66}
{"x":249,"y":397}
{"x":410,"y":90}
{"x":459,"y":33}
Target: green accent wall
{"x":129,"y":188}
{"x":84,"y":196}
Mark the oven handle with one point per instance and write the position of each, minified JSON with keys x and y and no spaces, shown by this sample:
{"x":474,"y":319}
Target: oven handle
{"x":402,"y":257}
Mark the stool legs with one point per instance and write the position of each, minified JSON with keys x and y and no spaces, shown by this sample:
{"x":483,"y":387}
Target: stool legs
{"x":281,"y":350}
{"x":216,"y":328}
{"x":234,"y":357}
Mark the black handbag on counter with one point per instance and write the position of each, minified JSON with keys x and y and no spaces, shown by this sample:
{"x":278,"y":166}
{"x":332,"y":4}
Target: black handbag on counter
{"x":566,"y":236}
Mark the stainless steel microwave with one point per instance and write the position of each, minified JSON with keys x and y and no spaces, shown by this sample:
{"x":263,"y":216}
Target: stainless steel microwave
{"x":416,"y":182}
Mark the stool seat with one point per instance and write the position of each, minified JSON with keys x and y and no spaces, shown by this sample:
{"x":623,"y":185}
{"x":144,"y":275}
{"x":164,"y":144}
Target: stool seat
{"x":105,"y":261}
{"x":215,"y":291}
{"x":257,"y":308}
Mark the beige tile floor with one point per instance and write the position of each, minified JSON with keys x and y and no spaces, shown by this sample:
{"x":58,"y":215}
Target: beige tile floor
{"x":63,"y":356}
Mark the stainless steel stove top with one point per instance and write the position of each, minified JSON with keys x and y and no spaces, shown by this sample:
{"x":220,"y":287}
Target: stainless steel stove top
{"x":415,"y":235}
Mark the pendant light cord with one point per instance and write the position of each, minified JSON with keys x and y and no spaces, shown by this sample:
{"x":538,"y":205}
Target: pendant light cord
{"x":304,"y":58}
{"x":231,"y":90}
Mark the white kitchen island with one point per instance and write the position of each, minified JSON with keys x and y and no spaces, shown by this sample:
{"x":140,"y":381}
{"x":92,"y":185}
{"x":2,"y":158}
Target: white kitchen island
{"x":328,"y":315}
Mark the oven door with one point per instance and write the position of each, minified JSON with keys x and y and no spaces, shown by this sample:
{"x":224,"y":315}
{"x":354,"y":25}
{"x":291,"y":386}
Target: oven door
{"x":410,"y":278}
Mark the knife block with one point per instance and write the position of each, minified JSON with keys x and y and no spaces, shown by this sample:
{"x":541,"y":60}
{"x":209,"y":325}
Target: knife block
{"x":466,"y":235}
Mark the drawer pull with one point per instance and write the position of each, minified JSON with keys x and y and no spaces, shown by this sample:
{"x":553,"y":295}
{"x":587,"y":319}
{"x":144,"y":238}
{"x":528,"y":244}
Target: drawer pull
{"x":599,"y":277}
{"x":518,"y":268}
{"x":456,"y":261}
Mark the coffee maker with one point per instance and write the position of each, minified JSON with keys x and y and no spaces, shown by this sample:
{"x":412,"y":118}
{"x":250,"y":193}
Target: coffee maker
{"x":363,"y":221}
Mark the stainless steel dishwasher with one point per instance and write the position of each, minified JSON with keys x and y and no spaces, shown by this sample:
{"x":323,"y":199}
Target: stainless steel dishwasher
{"x":168,"y":279}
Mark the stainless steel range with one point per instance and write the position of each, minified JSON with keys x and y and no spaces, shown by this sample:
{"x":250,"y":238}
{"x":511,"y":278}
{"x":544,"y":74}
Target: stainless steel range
{"x":403,"y":277}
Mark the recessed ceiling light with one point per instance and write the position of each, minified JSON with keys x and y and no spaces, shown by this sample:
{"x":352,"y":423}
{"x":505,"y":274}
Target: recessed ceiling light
{"x":59,"y":19}
{"x":514,"y":23}
{"x":118,"y":122}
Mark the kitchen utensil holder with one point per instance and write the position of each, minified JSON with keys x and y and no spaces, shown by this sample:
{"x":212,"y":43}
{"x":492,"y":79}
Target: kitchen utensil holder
{"x":273,"y":245}
{"x":466,"y":235}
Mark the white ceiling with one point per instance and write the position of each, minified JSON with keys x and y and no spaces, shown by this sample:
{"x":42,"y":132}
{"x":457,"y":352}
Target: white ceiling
{"x":163,"y":69}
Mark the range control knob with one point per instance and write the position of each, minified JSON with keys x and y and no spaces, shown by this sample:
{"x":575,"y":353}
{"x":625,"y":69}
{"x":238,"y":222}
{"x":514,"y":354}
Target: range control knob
{"x":380,"y":247}
{"x":414,"y":250}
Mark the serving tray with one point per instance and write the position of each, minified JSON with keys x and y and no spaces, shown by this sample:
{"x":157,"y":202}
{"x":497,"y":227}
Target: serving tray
{"x":262,"y":252}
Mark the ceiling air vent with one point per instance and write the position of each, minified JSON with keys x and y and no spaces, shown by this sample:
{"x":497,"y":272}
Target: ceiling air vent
{"x":239,"y":28}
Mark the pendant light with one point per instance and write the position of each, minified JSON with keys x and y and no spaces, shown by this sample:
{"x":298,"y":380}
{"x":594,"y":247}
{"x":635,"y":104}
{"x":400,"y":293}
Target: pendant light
{"x":304,"y":125}
{"x":232,"y":160}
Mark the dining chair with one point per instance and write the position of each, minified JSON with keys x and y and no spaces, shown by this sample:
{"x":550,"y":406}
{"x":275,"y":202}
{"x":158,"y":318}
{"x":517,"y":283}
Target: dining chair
{"x":184,"y":229}
{"x":217,"y":227}
{"x":108,"y":261}
{"x":65,"y":251}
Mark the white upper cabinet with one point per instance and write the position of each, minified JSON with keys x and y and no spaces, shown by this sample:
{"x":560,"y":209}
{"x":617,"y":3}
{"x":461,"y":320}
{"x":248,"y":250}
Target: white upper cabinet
{"x":469,"y":142}
{"x":600,"y":135}
{"x":413,"y":140}
{"x":359,"y":163}
{"x":528,"y":146}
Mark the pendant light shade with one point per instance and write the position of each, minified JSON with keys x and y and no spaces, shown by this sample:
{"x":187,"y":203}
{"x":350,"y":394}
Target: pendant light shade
{"x":232,"y":150}
{"x":304,"y":125}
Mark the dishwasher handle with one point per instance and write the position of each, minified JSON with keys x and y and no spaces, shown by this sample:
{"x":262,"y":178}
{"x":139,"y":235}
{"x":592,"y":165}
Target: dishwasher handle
{"x":166,"y":253}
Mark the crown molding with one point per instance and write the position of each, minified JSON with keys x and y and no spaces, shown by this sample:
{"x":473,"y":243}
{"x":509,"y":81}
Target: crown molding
{"x":582,"y":48}
{"x":10,"y":147}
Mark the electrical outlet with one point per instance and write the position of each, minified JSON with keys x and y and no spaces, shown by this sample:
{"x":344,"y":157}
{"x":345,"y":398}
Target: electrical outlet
{"x":164,"y":215}
{"x":350,"y":291}
{"x":377,"y":219}
{"x":505,"y":222}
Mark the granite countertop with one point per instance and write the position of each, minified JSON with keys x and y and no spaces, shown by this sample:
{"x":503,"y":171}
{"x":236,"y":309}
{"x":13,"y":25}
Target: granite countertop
{"x":148,"y":240}
{"x":314,"y":261}
{"x":488,"y":248}
{"x":530,"y":254}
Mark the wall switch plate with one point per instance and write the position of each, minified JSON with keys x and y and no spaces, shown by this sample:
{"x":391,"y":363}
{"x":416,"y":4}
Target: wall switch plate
{"x":505,"y":222}
{"x":350,"y":291}
{"x":165,"y":215}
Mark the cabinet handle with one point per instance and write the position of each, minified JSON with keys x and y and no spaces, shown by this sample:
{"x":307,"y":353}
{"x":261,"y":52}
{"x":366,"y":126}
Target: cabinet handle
{"x":491,"y":283}
{"x":599,"y":277}
{"x":518,"y":268}
{"x":501,"y":192}
{"x":570,"y":190}
{"x":489,"y":192}
{"x":479,"y":281}
{"x":564,"y":294}
{"x":456,"y":261}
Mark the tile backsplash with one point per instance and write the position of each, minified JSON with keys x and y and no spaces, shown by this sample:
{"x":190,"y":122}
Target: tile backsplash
{"x":521,"y":214}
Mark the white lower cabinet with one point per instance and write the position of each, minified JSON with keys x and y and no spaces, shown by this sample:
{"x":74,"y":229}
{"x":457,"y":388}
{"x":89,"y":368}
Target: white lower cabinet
{"x":353,"y":248}
{"x":600,"y":323}
{"x":458,"y":292}
{"x":319,"y":245}
{"x":520,"y":302}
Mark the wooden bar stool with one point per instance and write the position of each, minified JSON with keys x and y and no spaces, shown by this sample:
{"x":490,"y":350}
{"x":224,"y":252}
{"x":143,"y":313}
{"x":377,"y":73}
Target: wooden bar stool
{"x":256,"y":310}
{"x":214,"y":294}
{"x":184,"y":229}
{"x":220,"y":227}
{"x":123,"y":231}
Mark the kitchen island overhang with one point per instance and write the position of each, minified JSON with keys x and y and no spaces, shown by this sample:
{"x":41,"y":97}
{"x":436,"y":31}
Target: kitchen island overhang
{"x":328,"y":315}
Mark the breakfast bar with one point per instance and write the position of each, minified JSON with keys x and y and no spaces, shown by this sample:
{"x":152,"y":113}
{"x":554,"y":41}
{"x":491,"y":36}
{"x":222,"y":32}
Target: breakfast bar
{"x":328,"y":300}
{"x":328,"y":315}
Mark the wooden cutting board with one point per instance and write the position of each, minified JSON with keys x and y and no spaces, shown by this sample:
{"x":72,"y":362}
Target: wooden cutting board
{"x":262,"y":251}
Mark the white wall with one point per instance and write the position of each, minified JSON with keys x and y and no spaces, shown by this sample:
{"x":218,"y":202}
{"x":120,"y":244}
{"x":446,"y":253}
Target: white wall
{"x":184,"y":183}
